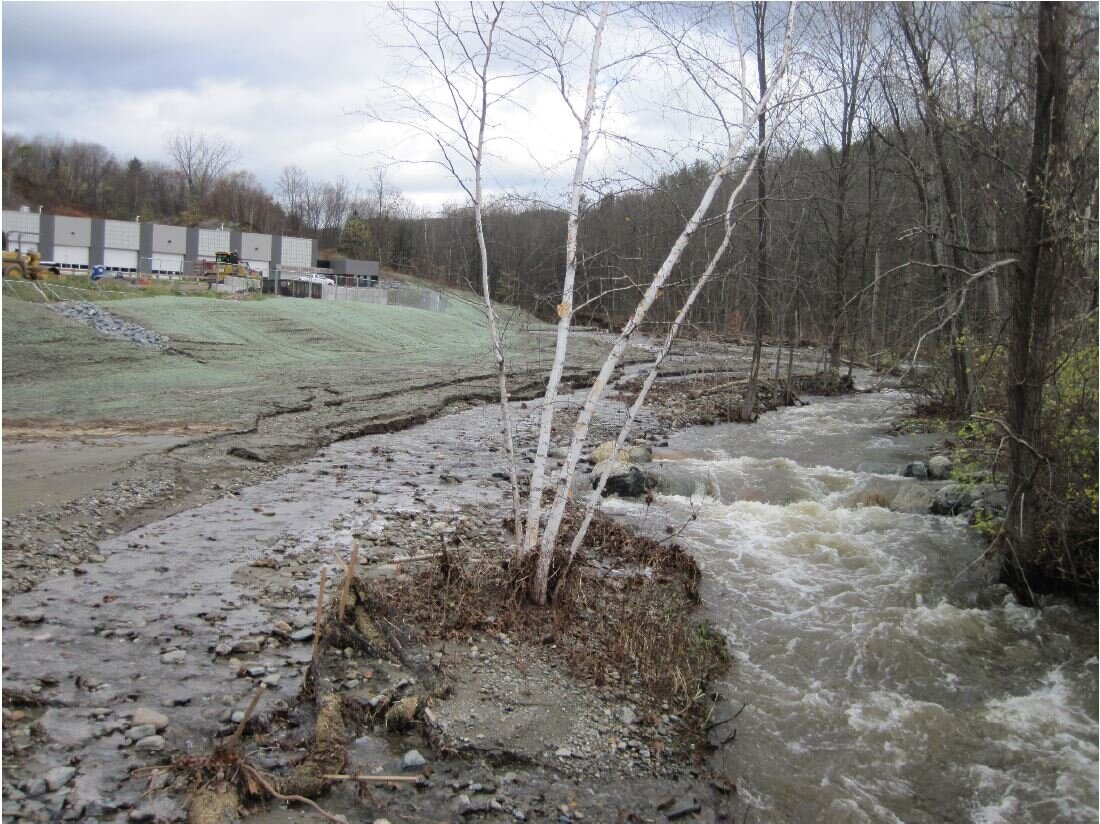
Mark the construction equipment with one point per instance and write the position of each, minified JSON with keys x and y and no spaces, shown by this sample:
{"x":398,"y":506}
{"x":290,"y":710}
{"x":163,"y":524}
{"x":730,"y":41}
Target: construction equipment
{"x":26,"y":265}
{"x":226,"y":264}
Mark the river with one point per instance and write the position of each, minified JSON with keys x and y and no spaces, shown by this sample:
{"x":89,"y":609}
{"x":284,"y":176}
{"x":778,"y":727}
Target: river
{"x":885,"y":677}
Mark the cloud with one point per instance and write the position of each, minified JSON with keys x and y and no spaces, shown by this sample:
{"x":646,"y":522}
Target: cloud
{"x":286,"y":83}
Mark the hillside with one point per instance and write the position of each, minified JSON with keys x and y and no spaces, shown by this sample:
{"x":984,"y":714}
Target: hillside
{"x":230,"y":360}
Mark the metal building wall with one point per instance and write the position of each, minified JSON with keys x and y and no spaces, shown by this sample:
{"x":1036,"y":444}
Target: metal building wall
{"x":22,"y":229}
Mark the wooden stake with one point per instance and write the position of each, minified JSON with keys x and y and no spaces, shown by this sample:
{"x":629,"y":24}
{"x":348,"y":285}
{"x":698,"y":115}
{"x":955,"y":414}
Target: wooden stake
{"x":349,"y":574}
{"x":236,"y":737}
{"x":320,"y":609}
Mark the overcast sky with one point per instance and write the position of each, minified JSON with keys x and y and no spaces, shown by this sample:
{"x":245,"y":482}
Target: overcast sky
{"x":282,"y":81}
{"x":278,"y":80}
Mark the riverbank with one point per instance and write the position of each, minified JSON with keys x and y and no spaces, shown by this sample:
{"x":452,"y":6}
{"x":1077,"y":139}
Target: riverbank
{"x":205,"y":592}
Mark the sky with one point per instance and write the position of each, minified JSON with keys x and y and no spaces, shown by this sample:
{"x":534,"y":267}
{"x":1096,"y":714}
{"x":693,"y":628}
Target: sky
{"x":281,"y":81}
{"x":284,"y":82}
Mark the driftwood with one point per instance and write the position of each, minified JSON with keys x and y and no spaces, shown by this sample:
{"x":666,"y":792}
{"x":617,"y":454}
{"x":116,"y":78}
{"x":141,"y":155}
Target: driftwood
{"x":327,"y":755}
{"x":320,"y":613}
{"x":722,"y":387}
{"x":725,"y":387}
{"x":349,"y":620}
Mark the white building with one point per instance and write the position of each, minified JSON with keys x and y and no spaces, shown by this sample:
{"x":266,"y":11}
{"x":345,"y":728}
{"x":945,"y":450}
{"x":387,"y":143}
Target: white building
{"x":147,"y":248}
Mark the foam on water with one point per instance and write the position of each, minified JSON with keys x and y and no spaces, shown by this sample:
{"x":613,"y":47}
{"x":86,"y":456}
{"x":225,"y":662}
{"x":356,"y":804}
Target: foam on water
{"x":885,"y":679}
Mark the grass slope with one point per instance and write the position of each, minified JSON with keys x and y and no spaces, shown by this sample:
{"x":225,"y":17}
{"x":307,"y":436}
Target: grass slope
{"x":237,"y":357}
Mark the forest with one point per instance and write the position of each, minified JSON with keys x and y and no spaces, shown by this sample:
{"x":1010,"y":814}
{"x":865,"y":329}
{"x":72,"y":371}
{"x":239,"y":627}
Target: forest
{"x":919,"y":193}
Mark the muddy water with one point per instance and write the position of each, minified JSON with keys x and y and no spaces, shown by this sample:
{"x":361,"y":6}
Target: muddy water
{"x":884,"y":677}
{"x":142,"y":628}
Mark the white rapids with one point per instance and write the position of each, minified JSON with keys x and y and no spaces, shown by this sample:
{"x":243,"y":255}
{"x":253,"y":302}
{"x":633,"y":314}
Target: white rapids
{"x":885,"y":678}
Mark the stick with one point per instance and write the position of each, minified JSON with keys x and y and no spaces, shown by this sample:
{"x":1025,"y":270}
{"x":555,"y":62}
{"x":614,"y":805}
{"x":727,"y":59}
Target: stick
{"x":378,"y":779}
{"x":233,"y":739}
{"x":320,"y":609}
{"x":260,"y":779}
{"x":349,"y":574}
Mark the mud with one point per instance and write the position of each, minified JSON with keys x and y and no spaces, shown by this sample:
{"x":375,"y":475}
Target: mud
{"x":177,"y":575}
{"x":188,"y":614}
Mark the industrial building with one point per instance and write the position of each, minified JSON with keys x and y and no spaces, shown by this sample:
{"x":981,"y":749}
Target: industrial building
{"x":148,"y":248}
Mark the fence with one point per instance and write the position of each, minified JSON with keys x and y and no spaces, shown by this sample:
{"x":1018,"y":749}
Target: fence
{"x":412,"y":297}
{"x":294,"y":288}
{"x":47,"y":291}
{"x":391,"y":295}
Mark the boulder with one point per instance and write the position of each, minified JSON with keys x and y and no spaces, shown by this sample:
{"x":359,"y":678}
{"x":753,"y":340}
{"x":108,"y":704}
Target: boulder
{"x":144,"y":715}
{"x":955,"y":498}
{"x":413,"y":760}
{"x":916,"y":469}
{"x":939,"y":467}
{"x":58,"y":777}
{"x":623,"y":479}
{"x":150,"y":743}
{"x":603,"y":453}
{"x":949,"y":500}
{"x":640,"y":453}
{"x":913,"y":498}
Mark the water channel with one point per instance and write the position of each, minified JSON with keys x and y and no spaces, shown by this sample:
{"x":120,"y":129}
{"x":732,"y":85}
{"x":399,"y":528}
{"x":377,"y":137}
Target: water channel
{"x":885,"y":676}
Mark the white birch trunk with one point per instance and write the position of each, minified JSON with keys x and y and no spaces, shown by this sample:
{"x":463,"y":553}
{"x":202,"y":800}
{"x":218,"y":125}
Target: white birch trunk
{"x":565,"y":308}
{"x":537,"y":590}
{"x":674,"y":330}
{"x":490,"y":311}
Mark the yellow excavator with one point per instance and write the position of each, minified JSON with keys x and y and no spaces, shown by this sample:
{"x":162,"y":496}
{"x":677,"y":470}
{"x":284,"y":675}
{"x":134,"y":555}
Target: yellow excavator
{"x":226,"y":264}
{"x":26,"y":265}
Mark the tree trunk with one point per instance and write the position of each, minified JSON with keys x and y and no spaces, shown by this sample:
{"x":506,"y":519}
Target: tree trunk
{"x":748,"y":403}
{"x":1032,"y":303}
{"x":565,"y":308}
{"x":538,"y":587}
{"x":949,"y":235}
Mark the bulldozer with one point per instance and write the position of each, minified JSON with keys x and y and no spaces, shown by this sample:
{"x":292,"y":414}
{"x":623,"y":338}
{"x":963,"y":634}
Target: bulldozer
{"x":226,"y":264}
{"x":26,"y":265}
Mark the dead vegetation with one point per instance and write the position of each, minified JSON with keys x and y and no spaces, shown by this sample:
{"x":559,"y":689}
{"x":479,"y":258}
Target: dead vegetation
{"x":625,"y":612}
{"x":622,"y":616}
{"x":225,"y":782}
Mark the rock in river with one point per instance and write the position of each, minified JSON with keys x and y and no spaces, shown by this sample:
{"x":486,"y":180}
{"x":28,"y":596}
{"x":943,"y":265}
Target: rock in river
{"x":623,"y":479}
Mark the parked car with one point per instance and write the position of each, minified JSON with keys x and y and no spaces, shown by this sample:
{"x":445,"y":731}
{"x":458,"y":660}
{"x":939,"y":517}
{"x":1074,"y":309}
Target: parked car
{"x":315,"y":278}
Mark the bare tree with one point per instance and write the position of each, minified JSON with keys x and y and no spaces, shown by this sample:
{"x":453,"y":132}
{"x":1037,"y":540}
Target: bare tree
{"x":844,"y":62}
{"x":924,"y":30}
{"x":201,"y":160}
{"x":1034,"y":289}
{"x":458,"y":49}
{"x":556,"y":50}
{"x":537,"y":589}
{"x":290,"y":188}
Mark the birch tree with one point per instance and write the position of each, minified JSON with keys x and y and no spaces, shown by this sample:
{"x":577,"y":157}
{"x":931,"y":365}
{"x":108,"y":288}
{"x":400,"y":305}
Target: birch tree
{"x":538,"y":585}
{"x":453,"y":82}
{"x":555,"y":48}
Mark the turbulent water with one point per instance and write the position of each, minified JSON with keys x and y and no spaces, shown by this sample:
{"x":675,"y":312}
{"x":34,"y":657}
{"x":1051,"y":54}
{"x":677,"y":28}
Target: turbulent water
{"x":885,"y":677}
